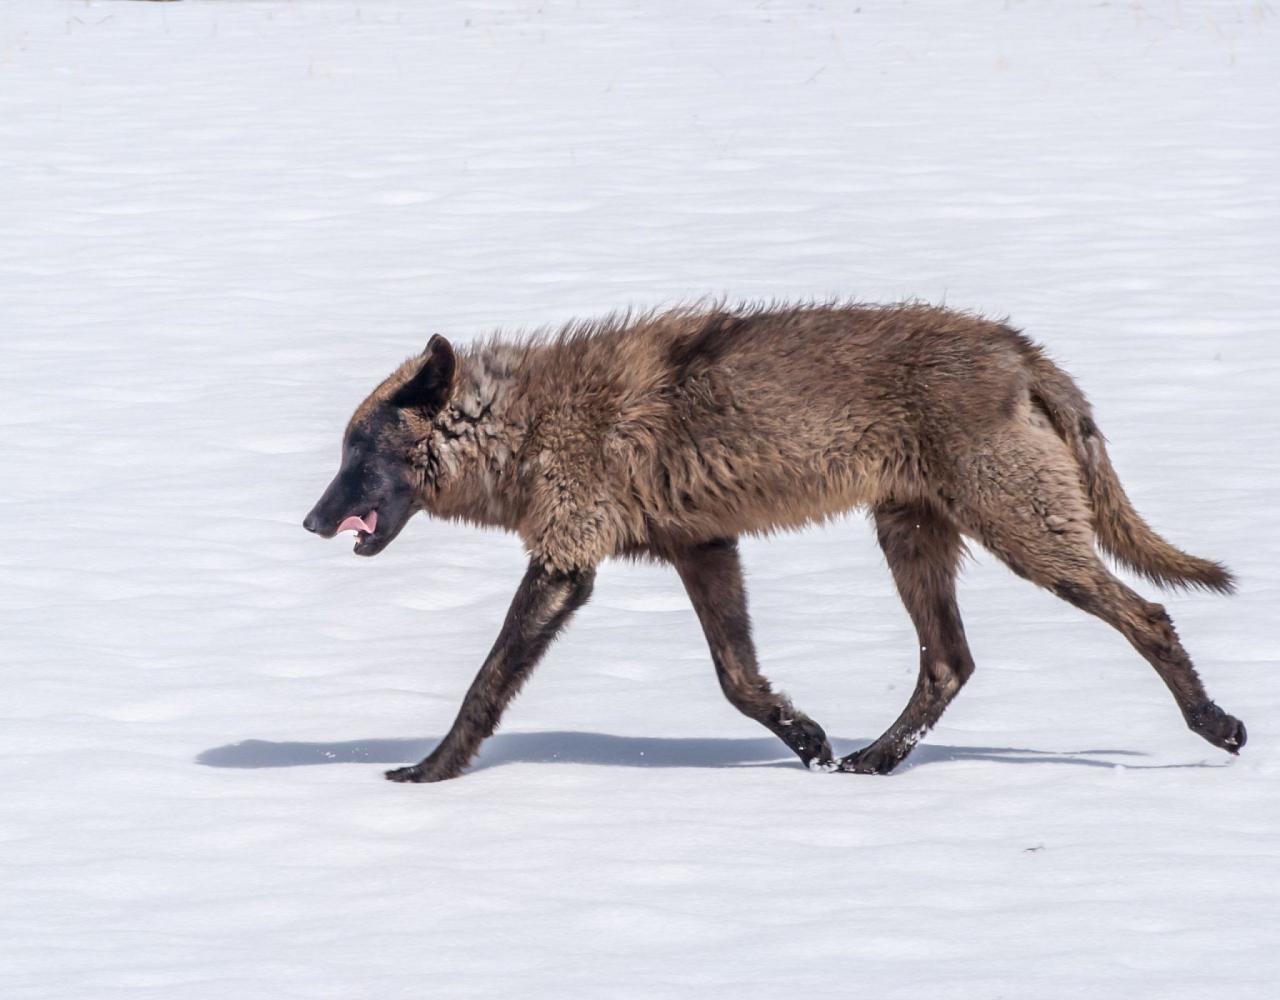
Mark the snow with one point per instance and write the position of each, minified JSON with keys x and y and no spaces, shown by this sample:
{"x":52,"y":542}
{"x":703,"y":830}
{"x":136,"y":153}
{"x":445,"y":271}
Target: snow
{"x":222,"y":223}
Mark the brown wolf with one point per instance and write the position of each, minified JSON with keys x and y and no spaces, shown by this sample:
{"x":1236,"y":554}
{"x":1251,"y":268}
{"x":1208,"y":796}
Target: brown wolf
{"x":668,"y":435}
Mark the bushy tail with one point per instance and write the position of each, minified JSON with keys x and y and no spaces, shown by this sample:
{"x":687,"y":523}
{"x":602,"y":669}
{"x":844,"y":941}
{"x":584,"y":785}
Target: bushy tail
{"x":1119,"y":529}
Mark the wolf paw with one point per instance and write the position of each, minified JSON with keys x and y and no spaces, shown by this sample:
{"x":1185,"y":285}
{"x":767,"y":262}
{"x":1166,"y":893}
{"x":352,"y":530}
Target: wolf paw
{"x":417,"y":774}
{"x":871,"y":759}
{"x":810,"y":744}
{"x":1219,"y":728}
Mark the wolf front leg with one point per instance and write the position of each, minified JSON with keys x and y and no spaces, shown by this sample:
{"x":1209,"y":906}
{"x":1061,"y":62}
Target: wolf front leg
{"x":539,"y":610}
{"x":712,"y":574}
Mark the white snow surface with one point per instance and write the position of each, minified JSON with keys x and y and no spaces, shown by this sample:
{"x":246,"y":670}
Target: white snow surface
{"x":221,"y":223}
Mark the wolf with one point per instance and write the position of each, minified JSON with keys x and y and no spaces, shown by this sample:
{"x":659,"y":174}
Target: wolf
{"x":668,"y":435}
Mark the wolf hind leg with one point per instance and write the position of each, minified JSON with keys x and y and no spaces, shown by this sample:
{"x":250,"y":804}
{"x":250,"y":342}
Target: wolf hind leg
{"x":923,"y":549}
{"x":1029,"y":509}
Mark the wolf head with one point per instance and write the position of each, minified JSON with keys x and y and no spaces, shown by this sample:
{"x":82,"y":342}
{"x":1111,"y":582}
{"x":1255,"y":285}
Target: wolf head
{"x":378,"y":488}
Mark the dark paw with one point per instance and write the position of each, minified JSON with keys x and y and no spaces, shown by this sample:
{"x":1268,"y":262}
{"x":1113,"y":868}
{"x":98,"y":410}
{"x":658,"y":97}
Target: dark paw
{"x":1219,"y":728}
{"x":871,"y":760}
{"x":810,"y":744}
{"x":418,"y":774}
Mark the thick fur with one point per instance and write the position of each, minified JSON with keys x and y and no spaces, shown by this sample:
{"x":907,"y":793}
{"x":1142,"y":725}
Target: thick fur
{"x":1119,"y":529}
{"x":668,"y":435}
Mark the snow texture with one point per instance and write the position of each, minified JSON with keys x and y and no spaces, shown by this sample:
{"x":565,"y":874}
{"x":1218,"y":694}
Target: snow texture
{"x":222,"y":223}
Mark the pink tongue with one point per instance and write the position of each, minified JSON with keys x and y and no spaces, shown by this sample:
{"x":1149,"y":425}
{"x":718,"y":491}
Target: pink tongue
{"x":354,"y":523}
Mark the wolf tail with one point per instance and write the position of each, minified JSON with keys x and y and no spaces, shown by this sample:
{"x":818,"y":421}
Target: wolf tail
{"x":1119,"y":529}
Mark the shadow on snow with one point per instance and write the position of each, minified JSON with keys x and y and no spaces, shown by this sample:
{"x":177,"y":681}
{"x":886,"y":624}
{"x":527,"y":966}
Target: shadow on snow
{"x":625,"y":751}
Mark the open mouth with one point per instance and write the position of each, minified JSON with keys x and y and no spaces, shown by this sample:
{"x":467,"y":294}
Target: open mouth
{"x":365,"y":528}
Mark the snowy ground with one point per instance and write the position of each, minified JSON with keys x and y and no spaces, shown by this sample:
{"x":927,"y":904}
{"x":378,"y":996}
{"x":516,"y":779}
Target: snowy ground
{"x":221,"y":222}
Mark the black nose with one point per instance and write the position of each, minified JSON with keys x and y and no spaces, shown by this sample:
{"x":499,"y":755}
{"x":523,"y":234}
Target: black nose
{"x":311,"y":522}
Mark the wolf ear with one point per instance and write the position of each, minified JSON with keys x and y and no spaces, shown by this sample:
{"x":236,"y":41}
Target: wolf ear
{"x":429,"y":389}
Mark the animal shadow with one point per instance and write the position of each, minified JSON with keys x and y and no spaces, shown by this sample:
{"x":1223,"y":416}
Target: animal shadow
{"x":604,"y":749}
